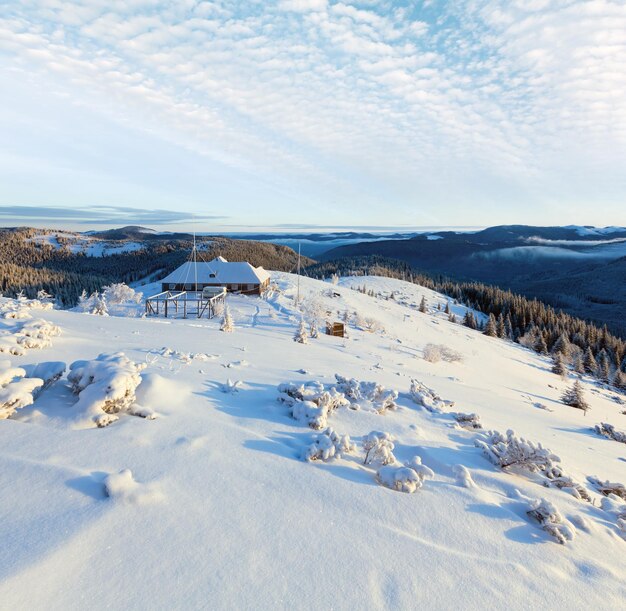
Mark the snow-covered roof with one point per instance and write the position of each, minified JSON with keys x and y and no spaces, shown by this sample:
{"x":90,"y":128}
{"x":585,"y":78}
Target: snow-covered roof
{"x":219,"y":270}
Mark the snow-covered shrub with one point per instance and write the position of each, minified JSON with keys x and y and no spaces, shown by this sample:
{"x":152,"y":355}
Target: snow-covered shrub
{"x":37,"y":333}
{"x":467,"y":421}
{"x":50,"y":372}
{"x":94,"y":304}
{"x":608,"y":430}
{"x":433,"y":353}
{"x":551,"y":520}
{"x":378,"y":447}
{"x":428,"y":398}
{"x":301,"y":335}
{"x":608,"y":488}
{"x":366,"y":395}
{"x":21,"y":307}
{"x":16,"y":390}
{"x":567,"y":484}
{"x":311,"y":403}
{"x":105,"y":386}
{"x":313,"y":330}
{"x":327,"y":445}
{"x":407,"y":478}
{"x":227,"y":324}
{"x":119,"y":293}
{"x":509,"y":450}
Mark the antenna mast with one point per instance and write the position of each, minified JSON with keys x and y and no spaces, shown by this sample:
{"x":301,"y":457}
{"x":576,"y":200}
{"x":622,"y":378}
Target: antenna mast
{"x":298,"y":297}
{"x":195,"y":257}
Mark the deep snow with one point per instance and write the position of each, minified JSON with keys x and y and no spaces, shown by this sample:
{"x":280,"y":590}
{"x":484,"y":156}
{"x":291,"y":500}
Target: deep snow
{"x":218,"y":509}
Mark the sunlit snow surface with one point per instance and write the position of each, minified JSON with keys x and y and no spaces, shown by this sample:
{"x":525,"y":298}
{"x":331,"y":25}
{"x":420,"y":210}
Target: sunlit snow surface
{"x":217,"y":510}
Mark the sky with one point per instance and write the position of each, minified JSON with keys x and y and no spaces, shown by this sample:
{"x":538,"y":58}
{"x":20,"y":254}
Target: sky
{"x":234,"y":115}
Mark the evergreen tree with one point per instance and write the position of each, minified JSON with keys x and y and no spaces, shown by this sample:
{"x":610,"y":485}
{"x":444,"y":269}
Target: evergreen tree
{"x":422,"y":307}
{"x":500,"y":329}
{"x":313,"y":330}
{"x":574,"y":397}
{"x":558,"y":366}
{"x":619,"y":380}
{"x":562,"y":346}
{"x":540,"y":345}
{"x":590,"y":362}
{"x":603,"y":372}
{"x":301,"y":334}
{"x":508,"y":327}
{"x":490,"y":327}
{"x":578,"y":363}
{"x":469,"y":320}
{"x":452,"y":317}
{"x":447,"y":310}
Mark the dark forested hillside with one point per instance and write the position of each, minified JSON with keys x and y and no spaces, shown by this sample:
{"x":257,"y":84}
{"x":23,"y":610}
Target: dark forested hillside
{"x":30,"y":265}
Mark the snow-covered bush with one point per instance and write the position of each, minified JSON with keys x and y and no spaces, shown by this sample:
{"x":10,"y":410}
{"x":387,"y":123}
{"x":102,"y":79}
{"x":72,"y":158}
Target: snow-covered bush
{"x":567,"y":484}
{"x":428,"y":398}
{"x":407,"y":478}
{"x":311,"y":403}
{"x":118,"y":293}
{"x":508,"y":450}
{"x":32,"y":334}
{"x":551,"y":520}
{"x":366,"y":395}
{"x":608,"y":488}
{"x":608,"y":430}
{"x":327,"y":445}
{"x":378,"y":447}
{"x":16,"y":390}
{"x":301,"y":335}
{"x":94,"y":304}
{"x":227,"y":324}
{"x":105,"y":386}
{"x":467,"y":421}
{"x":433,"y":353}
{"x":21,"y":307}
{"x":50,"y":372}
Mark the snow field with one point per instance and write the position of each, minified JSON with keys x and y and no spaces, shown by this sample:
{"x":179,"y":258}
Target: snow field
{"x":217,"y":504}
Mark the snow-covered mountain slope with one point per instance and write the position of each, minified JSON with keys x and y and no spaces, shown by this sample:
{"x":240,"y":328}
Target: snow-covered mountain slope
{"x":220,"y":511}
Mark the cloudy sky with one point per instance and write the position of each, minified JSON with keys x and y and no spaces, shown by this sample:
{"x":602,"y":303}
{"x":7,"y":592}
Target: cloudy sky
{"x":313,"y":112}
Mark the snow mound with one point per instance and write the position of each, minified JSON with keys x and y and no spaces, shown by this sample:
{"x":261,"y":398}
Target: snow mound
{"x":467,"y":421}
{"x":123,"y":487}
{"x":34,"y":334}
{"x":21,"y":307}
{"x":551,"y":520}
{"x":407,"y":478}
{"x":610,"y":489}
{"x":105,"y":386}
{"x":50,"y":372}
{"x":16,"y":390}
{"x":463,"y":476}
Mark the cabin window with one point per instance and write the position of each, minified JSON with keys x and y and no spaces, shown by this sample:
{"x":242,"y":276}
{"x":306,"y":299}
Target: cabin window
{"x":234,"y":287}
{"x":249,"y":287}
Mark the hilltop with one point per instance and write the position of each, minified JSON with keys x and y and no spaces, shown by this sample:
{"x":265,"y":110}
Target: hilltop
{"x":218,"y":504}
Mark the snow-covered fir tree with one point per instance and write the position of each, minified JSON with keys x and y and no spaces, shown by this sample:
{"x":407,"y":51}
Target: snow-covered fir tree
{"x":301,"y":335}
{"x":574,"y":397}
{"x":491,"y":327}
{"x":590,"y":362}
{"x":558,"y":365}
{"x":500,"y":329}
{"x":422,"y":306}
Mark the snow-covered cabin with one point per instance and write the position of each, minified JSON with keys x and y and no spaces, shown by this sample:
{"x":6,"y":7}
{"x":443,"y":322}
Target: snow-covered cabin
{"x":237,"y":276}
